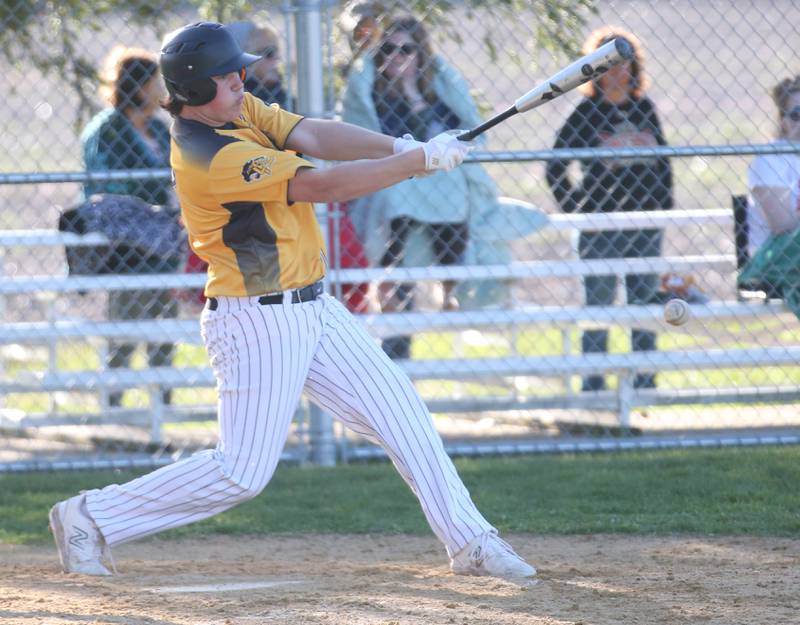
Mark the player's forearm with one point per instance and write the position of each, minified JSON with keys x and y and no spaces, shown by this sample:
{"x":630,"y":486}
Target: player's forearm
{"x":339,"y":141}
{"x":351,"y":180}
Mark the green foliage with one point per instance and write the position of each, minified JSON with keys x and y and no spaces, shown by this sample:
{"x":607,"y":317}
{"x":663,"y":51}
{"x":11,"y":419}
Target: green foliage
{"x":46,"y":32}
{"x":712,"y":492}
{"x":227,"y":10}
{"x":559,"y":26}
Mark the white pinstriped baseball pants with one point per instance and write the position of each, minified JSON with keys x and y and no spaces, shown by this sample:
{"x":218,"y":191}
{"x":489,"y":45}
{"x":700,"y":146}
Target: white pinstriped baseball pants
{"x":263,"y":358}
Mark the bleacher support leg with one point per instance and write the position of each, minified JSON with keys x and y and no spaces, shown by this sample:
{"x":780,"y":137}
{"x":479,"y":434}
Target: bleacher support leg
{"x":323,"y":446}
{"x":625,"y":398}
{"x":156,"y":412}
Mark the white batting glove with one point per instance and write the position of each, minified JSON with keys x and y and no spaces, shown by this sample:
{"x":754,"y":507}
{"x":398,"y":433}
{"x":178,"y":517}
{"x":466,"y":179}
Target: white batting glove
{"x":406,"y":143}
{"x":445,"y":152}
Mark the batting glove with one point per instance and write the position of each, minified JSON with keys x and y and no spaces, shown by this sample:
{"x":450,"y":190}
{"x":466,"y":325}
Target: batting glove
{"x":445,"y":152}
{"x":406,"y":143}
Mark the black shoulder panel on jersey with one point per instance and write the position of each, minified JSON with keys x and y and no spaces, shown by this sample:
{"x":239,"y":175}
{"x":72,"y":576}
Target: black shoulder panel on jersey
{"x":198,"y":142}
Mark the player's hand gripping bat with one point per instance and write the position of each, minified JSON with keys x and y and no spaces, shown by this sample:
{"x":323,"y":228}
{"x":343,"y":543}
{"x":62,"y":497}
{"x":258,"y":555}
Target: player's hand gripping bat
{"x":583,"y":70}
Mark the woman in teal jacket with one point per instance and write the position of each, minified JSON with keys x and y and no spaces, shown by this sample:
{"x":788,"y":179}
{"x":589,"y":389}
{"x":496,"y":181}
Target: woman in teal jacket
{"x":129,"y":135}
{"x":403,"y":88}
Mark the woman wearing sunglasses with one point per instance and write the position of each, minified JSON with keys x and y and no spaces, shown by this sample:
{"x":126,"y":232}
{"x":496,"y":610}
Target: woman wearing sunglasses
{"x":404,"y":89}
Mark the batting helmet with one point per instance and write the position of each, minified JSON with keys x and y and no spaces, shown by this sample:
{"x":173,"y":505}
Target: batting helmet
{"x":192,"y":55}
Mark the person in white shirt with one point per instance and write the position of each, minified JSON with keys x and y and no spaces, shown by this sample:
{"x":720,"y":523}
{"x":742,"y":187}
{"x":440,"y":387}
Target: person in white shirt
{"x":773,"y":180}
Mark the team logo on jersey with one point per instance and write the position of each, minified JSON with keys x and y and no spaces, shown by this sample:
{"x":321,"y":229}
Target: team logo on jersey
{"x":257,"y":167}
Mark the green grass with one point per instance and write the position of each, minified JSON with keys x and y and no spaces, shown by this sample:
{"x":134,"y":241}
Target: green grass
{"x":750,"y":491}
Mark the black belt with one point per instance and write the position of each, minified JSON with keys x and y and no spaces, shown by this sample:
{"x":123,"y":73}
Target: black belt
{"x":304,"y":294}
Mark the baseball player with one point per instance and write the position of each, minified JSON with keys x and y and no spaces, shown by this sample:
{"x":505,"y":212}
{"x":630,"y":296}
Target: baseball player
{"x":270,"y":330}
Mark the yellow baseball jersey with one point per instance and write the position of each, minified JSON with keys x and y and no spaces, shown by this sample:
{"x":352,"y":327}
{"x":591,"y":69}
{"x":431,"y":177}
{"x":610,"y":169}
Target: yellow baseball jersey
{"x":232,"y":183}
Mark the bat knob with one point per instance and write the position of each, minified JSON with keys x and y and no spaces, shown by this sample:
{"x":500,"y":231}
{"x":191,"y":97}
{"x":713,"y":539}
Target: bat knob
{"x":466,"y":136}
{"x":624,"y":48}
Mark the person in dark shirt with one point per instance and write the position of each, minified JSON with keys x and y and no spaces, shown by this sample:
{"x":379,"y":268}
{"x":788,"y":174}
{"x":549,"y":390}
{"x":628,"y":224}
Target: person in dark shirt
{"x":615,"y":113}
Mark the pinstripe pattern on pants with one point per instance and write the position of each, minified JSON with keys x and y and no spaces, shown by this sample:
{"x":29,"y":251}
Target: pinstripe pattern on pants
{"x":263,"y":358}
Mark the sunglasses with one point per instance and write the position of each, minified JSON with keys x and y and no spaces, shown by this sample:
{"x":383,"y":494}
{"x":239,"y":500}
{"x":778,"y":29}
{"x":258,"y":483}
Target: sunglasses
{"x":270,"y":52}
{"x":793,"y":114}
{"x":407,"y":49}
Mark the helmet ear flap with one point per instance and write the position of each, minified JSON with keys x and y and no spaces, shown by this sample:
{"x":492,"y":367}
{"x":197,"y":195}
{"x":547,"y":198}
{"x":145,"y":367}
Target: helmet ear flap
{"x":193,"y":92}
{"x":175,"y":91}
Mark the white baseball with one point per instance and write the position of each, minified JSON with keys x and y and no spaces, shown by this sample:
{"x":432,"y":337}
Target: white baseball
{"x":677,"y":312}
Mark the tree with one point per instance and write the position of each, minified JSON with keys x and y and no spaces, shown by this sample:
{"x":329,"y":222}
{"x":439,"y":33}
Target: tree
{"x":45,"y":32}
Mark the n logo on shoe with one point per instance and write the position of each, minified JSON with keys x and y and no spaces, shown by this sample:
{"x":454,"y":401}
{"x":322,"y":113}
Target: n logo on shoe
{"x":78,"y":537}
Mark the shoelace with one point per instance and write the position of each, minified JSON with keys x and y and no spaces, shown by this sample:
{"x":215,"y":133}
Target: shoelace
{"x":479,"y":553}
{"x":507,"y":547}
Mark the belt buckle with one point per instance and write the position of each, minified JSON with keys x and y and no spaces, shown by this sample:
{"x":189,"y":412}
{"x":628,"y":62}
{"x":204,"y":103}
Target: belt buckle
{"x":312,"y":289}
{"x":301,"y":294}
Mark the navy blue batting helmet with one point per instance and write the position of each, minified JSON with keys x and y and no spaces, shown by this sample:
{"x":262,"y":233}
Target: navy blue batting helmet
{"x":195,"y":53}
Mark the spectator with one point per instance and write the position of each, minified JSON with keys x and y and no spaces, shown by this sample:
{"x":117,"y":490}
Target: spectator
{"x":129,"y":135}
{"x":407,"y":90}
{"x":264,"y":78}
{"x":615,"y":113}
{"x":773,"y":180}
{"x":773,"y":213}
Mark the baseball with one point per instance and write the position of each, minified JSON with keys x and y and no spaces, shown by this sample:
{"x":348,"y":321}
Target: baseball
{"x":677,"y":312}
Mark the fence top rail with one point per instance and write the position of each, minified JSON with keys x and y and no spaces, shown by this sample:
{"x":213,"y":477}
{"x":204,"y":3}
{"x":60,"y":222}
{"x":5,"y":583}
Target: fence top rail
{"x":522,"y":269}
{"x":677,"y":151}
{"x":573,"y":221}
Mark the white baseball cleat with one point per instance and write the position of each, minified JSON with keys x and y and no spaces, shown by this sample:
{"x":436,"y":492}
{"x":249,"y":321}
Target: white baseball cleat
{"x":81,"y":546}
{"x":488,"y":554}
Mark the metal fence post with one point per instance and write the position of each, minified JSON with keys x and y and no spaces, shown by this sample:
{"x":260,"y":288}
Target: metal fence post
{"x":311,"y":102}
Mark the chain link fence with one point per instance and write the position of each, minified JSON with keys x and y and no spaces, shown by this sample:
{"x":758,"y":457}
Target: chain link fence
{"x":522,"y":292}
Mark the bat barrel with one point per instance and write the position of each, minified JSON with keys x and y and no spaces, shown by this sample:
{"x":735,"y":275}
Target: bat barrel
{"x":583,"y":70}
{"x":624,"y":49}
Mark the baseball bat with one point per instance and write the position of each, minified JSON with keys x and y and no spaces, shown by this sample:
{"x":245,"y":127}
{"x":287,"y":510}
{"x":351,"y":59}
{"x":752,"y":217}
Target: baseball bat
{"x":583,"y":70}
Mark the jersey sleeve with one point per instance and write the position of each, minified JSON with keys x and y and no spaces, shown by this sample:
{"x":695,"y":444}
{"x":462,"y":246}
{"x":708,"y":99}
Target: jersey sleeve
{"x":246,"y":172}
{"x":271,"y":119}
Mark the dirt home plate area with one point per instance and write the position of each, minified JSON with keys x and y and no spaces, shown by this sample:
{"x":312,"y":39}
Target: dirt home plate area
{"x":400,"y":580}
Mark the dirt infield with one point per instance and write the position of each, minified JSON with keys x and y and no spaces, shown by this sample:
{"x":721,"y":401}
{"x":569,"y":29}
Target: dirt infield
{"x":400,"y":580}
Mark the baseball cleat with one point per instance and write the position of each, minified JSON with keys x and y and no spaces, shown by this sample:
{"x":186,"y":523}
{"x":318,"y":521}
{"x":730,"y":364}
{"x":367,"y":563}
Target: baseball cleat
{"x":81,"y":546}
{"x":488,"y":554}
